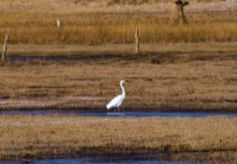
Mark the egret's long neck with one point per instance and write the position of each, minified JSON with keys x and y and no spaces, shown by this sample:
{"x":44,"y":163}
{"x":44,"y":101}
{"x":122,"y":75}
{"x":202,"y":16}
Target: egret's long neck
{"x":123,"y":89}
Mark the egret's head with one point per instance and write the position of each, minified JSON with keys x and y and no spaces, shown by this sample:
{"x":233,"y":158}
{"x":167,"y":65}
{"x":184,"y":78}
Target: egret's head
{"x":122,"y":81}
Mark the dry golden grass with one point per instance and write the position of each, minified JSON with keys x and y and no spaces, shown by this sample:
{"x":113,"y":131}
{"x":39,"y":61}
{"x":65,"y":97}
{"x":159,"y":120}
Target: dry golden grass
{"x":162,"y":77}
{"x":38,"y":136}
{"x":123,"y":33}
{"x":100,"y":27}
{"x":110,"y":28}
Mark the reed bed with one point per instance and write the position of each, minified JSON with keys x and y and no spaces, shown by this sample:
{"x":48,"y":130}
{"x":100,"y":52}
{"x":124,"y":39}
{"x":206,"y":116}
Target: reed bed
{"x":103,"y":27}
{"x":99,"y":32}
{"x":123,"y":33}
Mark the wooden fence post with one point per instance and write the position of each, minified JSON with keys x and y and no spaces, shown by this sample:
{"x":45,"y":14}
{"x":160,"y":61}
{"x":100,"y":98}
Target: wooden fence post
{"x":137,"y":41}
{"x":59,"y":29}
{"x":4,"y":50}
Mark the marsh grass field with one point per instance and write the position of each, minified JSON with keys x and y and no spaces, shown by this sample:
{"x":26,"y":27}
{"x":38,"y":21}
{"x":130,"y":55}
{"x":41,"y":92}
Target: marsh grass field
{"x":31,"y":22}
{"x":45,"y":136}
{"x":164,"y":76}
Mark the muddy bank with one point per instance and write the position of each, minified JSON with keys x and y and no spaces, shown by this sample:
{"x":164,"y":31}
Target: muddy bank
{"x":97,"y":104}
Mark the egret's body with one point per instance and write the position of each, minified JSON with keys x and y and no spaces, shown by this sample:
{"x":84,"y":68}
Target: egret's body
{"x":118,"y":100}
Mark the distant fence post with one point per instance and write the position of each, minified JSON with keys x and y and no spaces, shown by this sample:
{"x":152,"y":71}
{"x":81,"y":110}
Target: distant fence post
{"x":58,"y":23}
{"x":4,"y":50}
{"x":59,"y":29}
{"x":137,"y":41}
{"x":179,"y":11}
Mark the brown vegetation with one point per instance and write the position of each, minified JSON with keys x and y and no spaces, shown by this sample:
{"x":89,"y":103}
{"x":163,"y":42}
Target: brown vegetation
{"x":86,"y":30}
{"x":38,"y":136}
{"x":179,"y":67}
{"x":109,"y":25}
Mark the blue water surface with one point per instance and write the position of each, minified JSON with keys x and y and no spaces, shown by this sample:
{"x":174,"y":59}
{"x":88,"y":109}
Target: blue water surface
{"x":114,"y":159}
{"x":84,"y":161}
{"x":116,"y":114}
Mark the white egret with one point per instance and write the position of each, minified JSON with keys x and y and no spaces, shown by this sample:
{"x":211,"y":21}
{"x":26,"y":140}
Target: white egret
{"x":118,"y":100}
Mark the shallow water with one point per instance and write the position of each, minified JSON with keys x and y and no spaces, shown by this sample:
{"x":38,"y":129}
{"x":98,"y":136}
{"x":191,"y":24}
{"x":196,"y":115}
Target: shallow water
{"x":164,"y":158}
{"x":84,"y":161}
{"x":116,"y":114}
{"x":63,"y":58}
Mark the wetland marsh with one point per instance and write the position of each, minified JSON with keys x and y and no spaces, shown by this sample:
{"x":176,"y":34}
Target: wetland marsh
{"x":54,"y":82}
